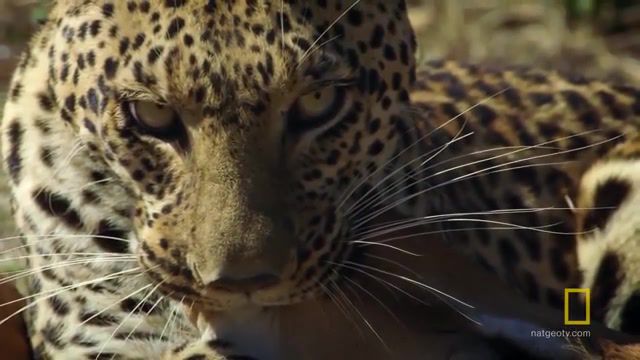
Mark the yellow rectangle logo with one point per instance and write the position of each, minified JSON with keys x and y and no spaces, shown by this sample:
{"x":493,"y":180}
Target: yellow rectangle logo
{"x":587,"y":304}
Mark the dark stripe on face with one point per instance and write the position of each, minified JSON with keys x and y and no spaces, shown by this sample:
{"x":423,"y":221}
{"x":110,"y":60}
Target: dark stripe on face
{"x":14,"y":160}
{"x":107,"y":238}
{"x":57,"y":206}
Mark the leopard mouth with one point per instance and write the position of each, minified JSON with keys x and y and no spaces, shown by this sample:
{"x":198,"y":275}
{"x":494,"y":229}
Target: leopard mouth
{"x":185,"y":289}
{"x":276,"y":294}
{"x":311,"y":268}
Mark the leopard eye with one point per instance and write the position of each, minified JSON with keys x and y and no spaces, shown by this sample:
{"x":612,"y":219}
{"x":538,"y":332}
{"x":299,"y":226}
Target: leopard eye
{"x":317,"y":108}
{"x":154,"y":119}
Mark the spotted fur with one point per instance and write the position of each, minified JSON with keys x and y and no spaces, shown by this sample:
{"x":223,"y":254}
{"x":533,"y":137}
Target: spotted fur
{"x":248,"y":200}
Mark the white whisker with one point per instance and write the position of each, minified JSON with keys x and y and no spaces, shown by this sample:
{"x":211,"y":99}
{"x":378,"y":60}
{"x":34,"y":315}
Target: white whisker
{"x":30,"y":271}
{"x":339,"y":306}
{"x":481,"y":172}
{"x":357,"y":206}
{"x":438,"y":293}
{"x":315,"y":42}
{"x":381,"y":281}
{"x":114,"y":304}
{"x":417,"y":142}
{"x":412,"y":281}
{"x":384,"y":245}
{"x":47,"y":255}
{"x":170,"y":317}
{"x":394,"y":225}
{"x":142,"y":319}
{"x":475,"y":162}
{"x":396,"y":263}
{"x":127,"y":318}
{"x":375,"y":298}
{"x":59,"y":291}
{"x":364,"y":319}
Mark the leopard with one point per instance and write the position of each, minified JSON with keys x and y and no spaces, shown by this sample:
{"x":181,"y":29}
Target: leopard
{"x":181,"y":170}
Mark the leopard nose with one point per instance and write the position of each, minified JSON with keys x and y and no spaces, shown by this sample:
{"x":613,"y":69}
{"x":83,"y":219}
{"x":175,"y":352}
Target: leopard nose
{"x":241,"y":275}
{"x":245,"y":284}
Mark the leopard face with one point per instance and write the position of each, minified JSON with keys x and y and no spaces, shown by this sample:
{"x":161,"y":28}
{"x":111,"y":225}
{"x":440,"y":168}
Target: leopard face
{"x":238,"y":128}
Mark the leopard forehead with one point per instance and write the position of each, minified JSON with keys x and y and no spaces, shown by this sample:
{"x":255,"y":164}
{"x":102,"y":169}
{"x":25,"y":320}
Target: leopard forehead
{"x":218,"y":53}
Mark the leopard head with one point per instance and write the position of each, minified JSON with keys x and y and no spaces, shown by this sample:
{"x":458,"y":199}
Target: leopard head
{"x":239,"y":127}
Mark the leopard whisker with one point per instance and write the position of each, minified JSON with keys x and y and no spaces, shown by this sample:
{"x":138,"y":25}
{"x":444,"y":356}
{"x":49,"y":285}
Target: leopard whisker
{"x":339,"y":306}
{"x":46,"y":255}
{"x":375,"y":298}
{"x":87,"y":185}
{"x":172,"y":313}
{"x":348,"y":194}
{"x":384,"y":245}
{"x":393,"y":227}
{"x":318,"y":48}
{"x":481,"y":172}
{"x":522,"y":227}
{"x":123,"y":321}
{"x":542,"y":145}
{"x":29,"y":240}
{"x":176,"y":326}
{"x":396,"y":263}
{"x":81,"y":284}
{"x":62,"y":236}
{"x":415,"y":282}
{"x":146,"y":314}
{"x":430,"y":155}
{"x":114,"y":304}
{"x":75,"y":150}
{"x":434,"y":218}
{"x":452,"y":301}
{"x":479,"y":161}
{"x":363,"y":318}
{"x":507,"y":226}
{"x":482,"y":151}
{"x":348,"y":287}
{"x":305,"y":54}
{"x":390,"y":224}
{"x":383,"y":194}
{"x":357,"y":206}
{"x":380,"y":280}
{"x":347,"y":309}
{"x":59,"y":291}
{"x":32,"y":271}
{"x":436,"y":232}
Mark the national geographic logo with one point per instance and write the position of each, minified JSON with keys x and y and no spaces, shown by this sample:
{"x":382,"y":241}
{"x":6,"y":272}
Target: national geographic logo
{"x":577,"y":306}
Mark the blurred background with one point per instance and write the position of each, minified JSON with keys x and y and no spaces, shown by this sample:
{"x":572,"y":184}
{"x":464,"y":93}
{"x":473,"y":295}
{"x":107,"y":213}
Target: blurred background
{"x":595,"y":38}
